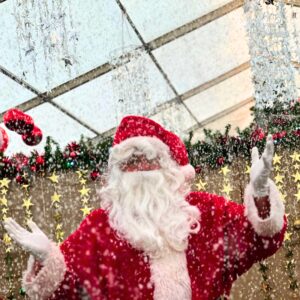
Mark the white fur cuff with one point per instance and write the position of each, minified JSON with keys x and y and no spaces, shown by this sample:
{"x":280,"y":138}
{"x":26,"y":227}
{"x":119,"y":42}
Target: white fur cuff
{"x":274,"y":223}
{"x":42,"y":285}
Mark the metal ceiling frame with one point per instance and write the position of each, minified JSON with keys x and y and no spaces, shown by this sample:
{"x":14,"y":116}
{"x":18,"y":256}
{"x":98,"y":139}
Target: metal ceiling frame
{"x":47,"y":97}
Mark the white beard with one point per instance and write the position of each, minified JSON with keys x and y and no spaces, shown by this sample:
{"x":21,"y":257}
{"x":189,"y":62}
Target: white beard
{"x":149,"y":210}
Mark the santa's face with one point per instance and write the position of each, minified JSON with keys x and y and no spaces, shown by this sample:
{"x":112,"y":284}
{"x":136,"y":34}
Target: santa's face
{"x":145,"y":198}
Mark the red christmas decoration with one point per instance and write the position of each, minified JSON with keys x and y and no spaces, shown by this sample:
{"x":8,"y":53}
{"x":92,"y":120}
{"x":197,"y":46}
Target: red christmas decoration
{"x":3,"y":140}
{"x":33,"y":138}
{"x":258,"y":134}
{"x":94,"y":175}
{"x":73,"y":147}
{"x":296,"y":132}
{"x":40,"y":160}
{"x":16,"y":120}
{"x":279,"y":135}
{"x":73,"y":154}
{"x":20,"y":161}
{"x":198,"y":169}
{"x":220,"y":160}
{"x":21,"y":179}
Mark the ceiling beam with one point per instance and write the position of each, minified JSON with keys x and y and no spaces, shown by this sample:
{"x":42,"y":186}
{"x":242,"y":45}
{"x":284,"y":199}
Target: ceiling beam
{"x":202,"y":87}
{"x":221,"y":114}
{"x":19,"y":81}
{"x":195,"y":24}
{"x":293,"y":2}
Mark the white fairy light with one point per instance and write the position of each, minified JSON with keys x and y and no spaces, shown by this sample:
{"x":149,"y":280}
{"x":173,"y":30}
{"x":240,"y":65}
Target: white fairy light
{"x":45,"y":30}
{"x":272,"y":70}
{"x":130,"y":82}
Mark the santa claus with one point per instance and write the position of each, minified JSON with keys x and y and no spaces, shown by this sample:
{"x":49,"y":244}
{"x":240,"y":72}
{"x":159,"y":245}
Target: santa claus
{"x":153,"y":238}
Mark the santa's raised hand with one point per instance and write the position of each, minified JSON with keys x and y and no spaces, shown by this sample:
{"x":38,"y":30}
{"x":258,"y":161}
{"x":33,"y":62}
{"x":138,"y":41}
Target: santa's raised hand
{"x":261,"y":169}
{"x":35,"y":242}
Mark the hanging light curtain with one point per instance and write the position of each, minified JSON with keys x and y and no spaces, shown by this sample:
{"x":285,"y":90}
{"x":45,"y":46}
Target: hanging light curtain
{"x":46,"y":36}
{"x":130,"y":82}
{"x":270,"y":57}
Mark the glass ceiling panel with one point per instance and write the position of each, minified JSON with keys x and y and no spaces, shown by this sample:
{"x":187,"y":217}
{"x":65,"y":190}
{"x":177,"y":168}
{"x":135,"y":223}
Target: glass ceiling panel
{"x":97,"y":102}
{"x":98,"y":25}
{"x":154,"y":18}
{"x":222,"y":96}
{"x":176,"y":119}
{"x":206,"y":53}
{"x":12,"y":93}
{"x":239,"y":118}
{"x":52,"y":122}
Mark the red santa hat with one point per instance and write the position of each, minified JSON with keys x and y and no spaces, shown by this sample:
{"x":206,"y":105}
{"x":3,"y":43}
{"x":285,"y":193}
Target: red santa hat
{"x":137,"y":126}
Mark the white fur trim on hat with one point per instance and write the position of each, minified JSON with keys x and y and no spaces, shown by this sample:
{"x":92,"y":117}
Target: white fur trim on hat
{"x":274,"y":223}
{"x":188,"y":171}
{"x":42,"y":285}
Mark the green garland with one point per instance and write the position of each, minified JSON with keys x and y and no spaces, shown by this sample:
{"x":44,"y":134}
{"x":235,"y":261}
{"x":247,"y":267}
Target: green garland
{"x":216,"y":149}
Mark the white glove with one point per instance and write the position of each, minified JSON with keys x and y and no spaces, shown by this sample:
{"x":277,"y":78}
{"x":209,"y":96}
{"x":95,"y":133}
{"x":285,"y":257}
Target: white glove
{"x":35,"y":242}
{"x":261,"y":169}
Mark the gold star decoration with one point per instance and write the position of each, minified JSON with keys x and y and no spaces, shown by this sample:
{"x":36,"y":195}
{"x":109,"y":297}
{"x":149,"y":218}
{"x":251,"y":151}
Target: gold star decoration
{"x":201,"y":185}
{"x":59,"y":226}
{"x":297,"y":223}
{"x":277,"y":168}
{"x":278,"y":178}
{"x":86,"y":210}
{"x":60,"y":235}
{"x":85,"y":200}
{"x":4,"y":192}
{"x":4,"y":182}
{"x":79,"y":173}
{"x":27,"y":203}
{"x":4,"y":210}
{"x":296,"y":176}
{"x":25,"y":186}
{"x":55,"y":198}
{"x":295,"y":157}
{"x":28,"y":220}
{"x":298,"y":195}
{"x":54,"y":178}
{"x":84,"y":191}
{"x":225,"y":170}
{"x":82,"y":181}
{"x":6,"y":239}
{"x":227,"y":189}
{"x":296,"y":167}
{"x":3,"y":201}
{"x":287,"y":236}
{"x":248,"y":169}
{"x":277,"y":159}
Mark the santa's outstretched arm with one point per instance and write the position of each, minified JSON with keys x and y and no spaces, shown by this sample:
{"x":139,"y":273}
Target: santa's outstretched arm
{"x":255,"y":230}
{"x":263,"y":206}
{"x":47,"y":275}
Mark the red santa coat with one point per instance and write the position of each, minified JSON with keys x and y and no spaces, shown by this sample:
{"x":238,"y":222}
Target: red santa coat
{"x":94,"y":263}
